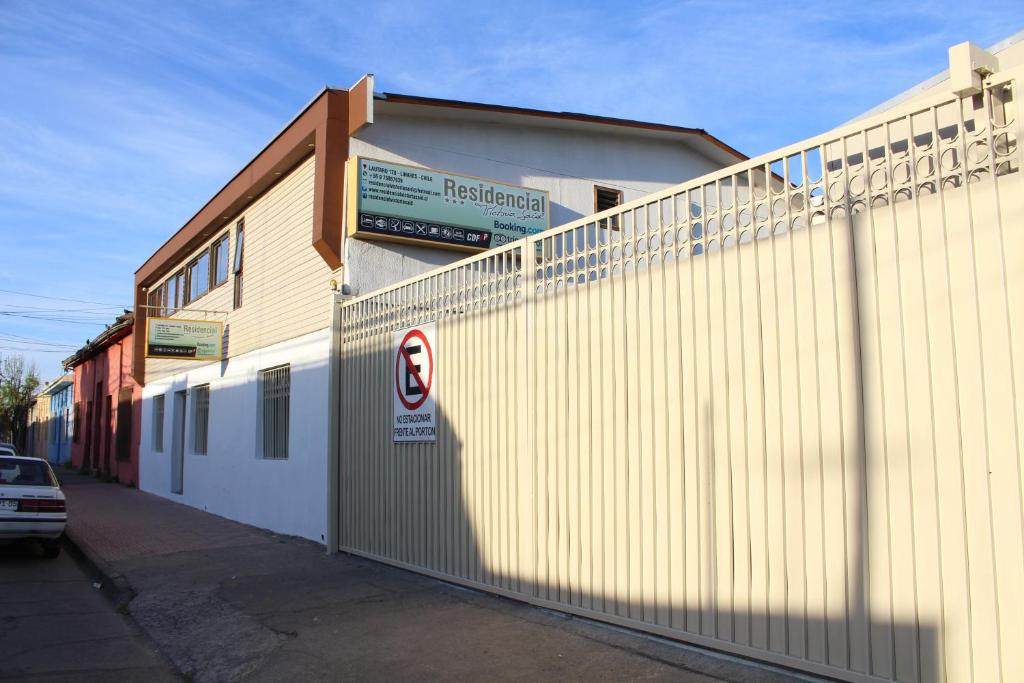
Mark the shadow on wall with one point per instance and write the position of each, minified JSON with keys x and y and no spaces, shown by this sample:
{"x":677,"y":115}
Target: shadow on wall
{"x":485,"y":518}
{"x":880,"y":536}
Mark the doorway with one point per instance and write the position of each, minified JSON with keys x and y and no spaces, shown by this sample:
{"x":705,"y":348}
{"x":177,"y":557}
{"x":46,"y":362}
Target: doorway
{"x":178,"y":444}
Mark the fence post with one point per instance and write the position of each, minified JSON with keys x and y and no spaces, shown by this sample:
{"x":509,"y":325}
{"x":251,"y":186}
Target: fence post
{"x":334,"y":425}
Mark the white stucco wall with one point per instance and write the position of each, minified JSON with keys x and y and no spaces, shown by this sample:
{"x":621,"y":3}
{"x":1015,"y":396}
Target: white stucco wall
{"x":232,"y":480}
{"x":290,"y":496}
{"x":566,"y":163}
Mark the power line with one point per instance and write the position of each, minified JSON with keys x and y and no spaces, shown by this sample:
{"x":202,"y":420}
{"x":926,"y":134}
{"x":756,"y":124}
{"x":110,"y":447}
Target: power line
{"x":60,"y":298}
{"x":36,"y":309}
{"x":28,"y":339}
{"x":54,"y":320}
{"x":31,"y":350}
{"x":17,"y":339}
{"x":46,"y":315}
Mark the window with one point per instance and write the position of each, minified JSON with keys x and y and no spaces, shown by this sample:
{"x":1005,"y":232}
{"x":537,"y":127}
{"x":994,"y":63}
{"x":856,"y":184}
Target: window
{"x":219,"y":257}
{"x":200,"y":418}
{"x":275,"y":393}
{"x":123,"y":440}
{"x":18,"y":472}
{"x":175,"y":287}
{"x":606,"y":198}
{"x":158,"y":423}
{"x":156,"y":302}
{"x":198,"y":273}
{"x":239,"y":254}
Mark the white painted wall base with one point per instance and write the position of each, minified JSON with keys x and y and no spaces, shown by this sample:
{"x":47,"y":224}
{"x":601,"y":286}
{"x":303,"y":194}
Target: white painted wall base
{"x":233,"y":480}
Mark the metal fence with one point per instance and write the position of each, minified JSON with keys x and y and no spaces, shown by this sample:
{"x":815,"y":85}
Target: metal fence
{"x":776,"y":410}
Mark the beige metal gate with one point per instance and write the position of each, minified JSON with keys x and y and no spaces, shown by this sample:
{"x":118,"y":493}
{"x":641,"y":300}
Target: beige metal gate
{"x":776,"y":411}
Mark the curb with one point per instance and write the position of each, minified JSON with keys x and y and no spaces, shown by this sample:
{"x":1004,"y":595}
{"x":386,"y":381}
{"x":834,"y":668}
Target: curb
{"x":113,"y":584}
{"x":115,"y":587}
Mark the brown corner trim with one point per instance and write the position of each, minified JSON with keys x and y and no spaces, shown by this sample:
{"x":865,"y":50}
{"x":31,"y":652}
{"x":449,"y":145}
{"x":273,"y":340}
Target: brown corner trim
{"x":323,"y":129}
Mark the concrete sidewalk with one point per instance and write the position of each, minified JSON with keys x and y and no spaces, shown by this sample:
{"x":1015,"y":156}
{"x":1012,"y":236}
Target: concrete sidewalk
{"x":228,"y":602}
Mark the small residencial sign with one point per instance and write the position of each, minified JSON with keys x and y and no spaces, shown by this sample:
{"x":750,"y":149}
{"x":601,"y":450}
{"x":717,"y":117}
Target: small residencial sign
{"x":413,"y":387}
{"x":403,"y":203}
{"x":184,"y":339}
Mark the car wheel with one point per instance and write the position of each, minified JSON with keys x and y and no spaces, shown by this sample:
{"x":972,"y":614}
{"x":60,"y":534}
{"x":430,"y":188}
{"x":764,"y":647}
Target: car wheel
{"x":51,"y":548}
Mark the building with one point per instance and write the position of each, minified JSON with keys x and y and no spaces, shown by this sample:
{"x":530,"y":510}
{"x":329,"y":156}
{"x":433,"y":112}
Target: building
{"x":246,"y":434}
{"x":38,"y":421}
{"x":48,"y":420}
{"x":107,"y":406}
{"x":61,"y":392}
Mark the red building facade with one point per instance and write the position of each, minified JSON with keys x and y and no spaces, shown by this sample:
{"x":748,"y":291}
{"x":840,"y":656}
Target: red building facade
{"x":107,"y":410}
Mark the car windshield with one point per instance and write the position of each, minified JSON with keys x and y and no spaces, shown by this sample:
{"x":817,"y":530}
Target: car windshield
{"x":14,"y":472}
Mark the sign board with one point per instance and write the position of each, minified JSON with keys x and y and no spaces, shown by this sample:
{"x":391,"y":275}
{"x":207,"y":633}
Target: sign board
{"x":424,"y":206}
{"x":184,"y":339}
{"x":413,"y":386}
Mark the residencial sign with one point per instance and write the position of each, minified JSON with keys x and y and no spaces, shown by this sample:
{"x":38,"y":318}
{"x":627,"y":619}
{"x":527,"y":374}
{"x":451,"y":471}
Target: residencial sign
{"x":420,"y":205}
{"x":184,"y":339}
{"x":413,"y":386}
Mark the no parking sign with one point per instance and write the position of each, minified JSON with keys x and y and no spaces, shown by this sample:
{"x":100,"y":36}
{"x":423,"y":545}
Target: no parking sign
{"x":415,"y":415}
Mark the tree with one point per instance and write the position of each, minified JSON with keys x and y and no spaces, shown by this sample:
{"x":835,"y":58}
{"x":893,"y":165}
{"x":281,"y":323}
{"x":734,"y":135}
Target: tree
{"x":18,"y":385}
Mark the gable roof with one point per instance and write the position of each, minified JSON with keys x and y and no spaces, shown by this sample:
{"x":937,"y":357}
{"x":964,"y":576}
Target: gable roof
{"x":698,"y":137}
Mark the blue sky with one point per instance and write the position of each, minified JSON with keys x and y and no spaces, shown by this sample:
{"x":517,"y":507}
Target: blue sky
{"x":119,"y":120}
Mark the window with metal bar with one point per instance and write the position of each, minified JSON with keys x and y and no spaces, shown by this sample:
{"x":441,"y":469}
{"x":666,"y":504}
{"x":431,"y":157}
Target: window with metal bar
{"x":158,"y":423}
{"x":200,"y":418}
{"x":275,"y":393}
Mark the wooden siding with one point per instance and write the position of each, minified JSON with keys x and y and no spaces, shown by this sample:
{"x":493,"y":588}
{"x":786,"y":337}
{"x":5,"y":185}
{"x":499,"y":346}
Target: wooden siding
{"x":286,"y":283}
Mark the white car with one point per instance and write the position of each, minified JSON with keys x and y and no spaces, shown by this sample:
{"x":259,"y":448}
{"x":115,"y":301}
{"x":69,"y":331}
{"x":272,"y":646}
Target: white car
{"x":32,"y":506}
{"x":8,"y":449}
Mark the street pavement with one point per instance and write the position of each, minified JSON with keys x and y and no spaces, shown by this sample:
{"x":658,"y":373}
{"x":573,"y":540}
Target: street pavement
{"x":55,"y":626}
{"x":227,"y":602}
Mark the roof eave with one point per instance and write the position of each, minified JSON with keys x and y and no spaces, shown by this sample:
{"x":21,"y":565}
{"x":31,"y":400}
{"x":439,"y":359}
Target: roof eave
{"x":400,"y":98}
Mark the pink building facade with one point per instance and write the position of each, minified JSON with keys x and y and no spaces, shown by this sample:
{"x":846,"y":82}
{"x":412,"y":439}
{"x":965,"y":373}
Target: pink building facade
{"x":107,"y":409}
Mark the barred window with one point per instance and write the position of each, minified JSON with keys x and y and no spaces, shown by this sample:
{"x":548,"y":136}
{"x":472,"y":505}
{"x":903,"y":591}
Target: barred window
{"x":275,"y":393}
{"x":200,"y":418}
{"x":158,"y":423}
